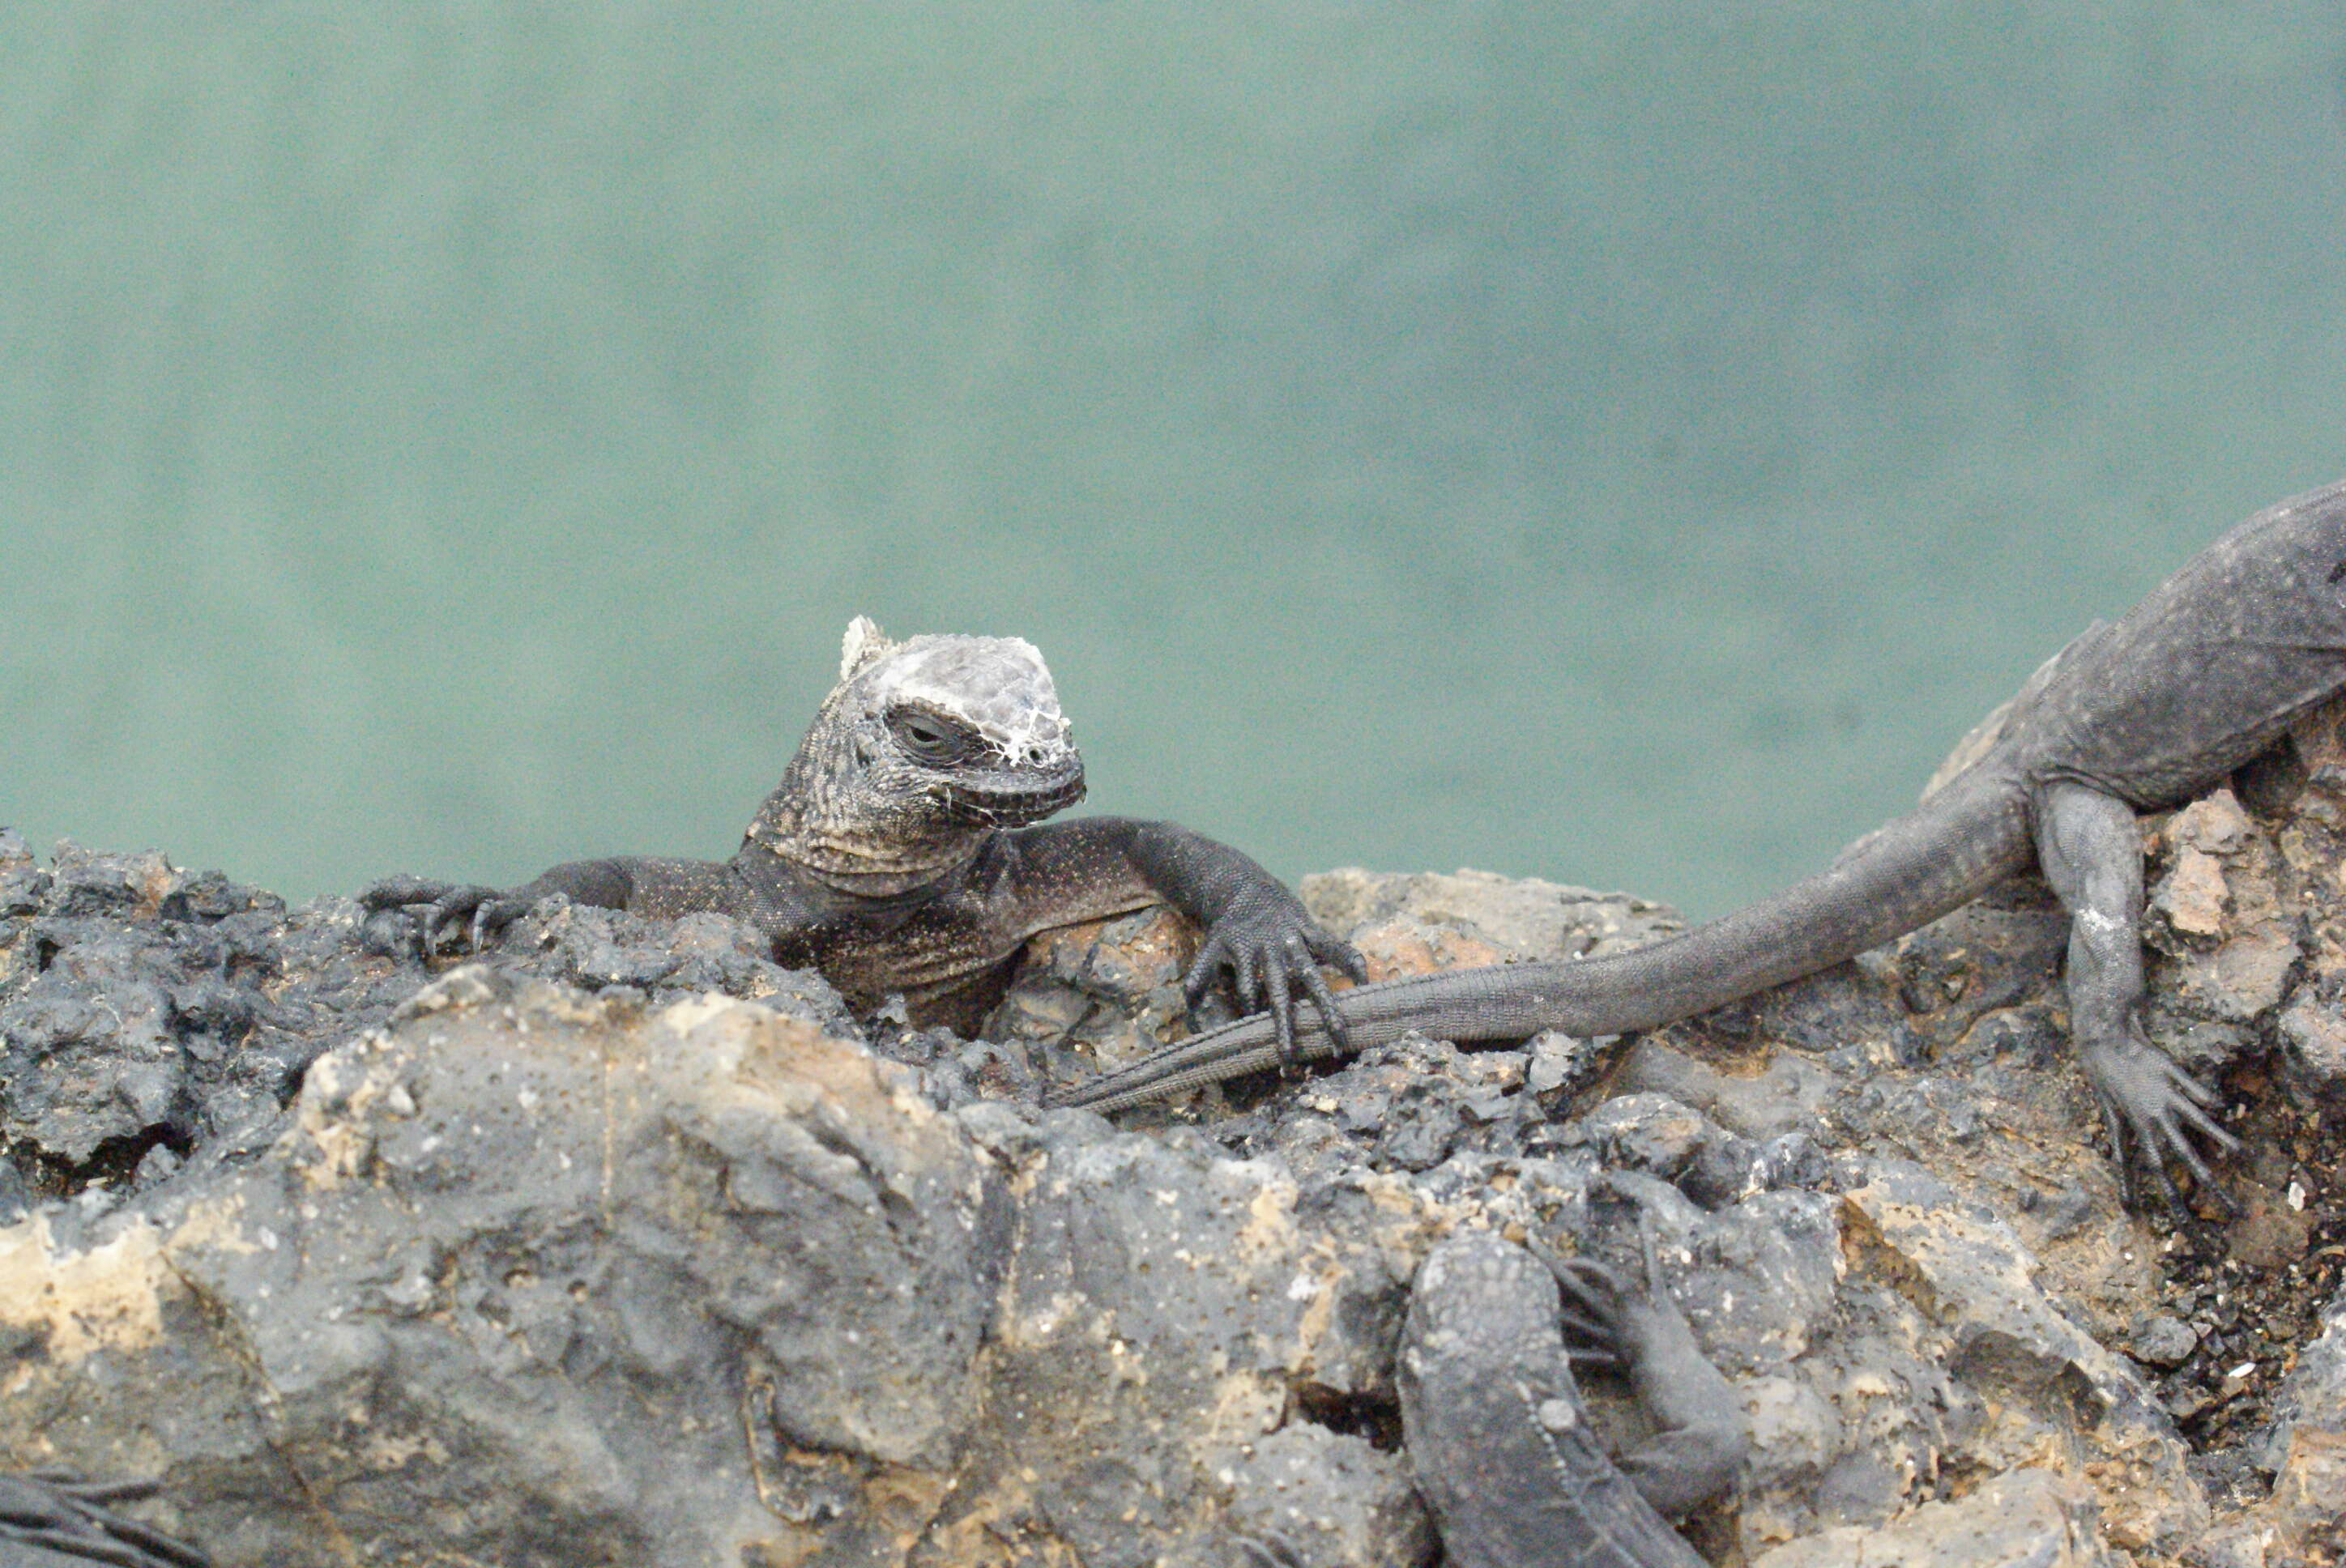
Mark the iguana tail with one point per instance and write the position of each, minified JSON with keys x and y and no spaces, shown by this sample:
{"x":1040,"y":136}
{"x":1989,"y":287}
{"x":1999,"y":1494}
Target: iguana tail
{"x":1945,"y":852}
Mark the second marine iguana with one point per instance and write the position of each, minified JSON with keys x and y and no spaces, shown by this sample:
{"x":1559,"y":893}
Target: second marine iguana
{"x":1493,"y":1420}
{"x":2202,"y":676}
{"x":897,"y":853}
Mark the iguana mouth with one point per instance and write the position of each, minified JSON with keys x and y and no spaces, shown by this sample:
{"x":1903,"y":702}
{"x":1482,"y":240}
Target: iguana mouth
{"x":1008,"y":799}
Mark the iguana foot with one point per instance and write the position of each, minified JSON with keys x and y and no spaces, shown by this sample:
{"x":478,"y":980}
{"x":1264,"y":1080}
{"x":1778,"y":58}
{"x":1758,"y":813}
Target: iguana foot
{"x":70,"y":1517}
{"x":1273,"y":949}
{"x":441,"y":912}
{"x":1601,"y":1307}
{"x":1598,"y":1303}
{"x":2149,"y":1106}
{"x":1703,"y":1442}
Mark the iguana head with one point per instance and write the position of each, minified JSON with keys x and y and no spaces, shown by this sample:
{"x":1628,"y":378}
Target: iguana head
{"x":923,"y":747}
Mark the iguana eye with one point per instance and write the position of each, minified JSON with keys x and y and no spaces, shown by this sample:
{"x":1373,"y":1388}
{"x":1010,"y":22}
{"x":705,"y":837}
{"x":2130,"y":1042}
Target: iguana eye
{"x":929,"y":740}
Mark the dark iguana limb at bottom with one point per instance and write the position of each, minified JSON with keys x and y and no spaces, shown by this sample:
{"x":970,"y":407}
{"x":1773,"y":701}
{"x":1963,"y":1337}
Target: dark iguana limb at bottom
{"x":2091,"y":852}
{"x":48,"y":1516}
{"x":2204,"y":675}
{"x":1495,"y":1430}
{"x":900,"y":854}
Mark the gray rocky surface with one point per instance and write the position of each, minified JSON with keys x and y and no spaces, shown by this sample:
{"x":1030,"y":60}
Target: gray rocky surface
{"x":143,"y":1007}
{"x":2032,"y":1517}
{"x":626,"y":1246}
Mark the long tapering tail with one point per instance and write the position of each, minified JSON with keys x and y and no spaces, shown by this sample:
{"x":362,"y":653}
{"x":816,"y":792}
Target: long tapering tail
{"x":1945,"y":852}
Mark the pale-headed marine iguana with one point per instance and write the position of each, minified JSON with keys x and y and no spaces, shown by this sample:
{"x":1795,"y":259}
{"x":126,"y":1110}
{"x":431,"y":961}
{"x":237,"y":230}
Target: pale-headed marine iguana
{"x":2198,"y":678}
{"x":897,"y":854}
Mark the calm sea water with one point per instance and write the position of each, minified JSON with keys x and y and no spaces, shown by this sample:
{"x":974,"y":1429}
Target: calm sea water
{"x":1619,"y":443}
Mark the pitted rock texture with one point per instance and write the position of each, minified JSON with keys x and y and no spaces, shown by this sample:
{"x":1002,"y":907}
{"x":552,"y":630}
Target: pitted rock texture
{"x":636,"y":1249}
{"x":1107,"y":991}
{"x":515,"y":1281}
{"x":2029,"y":1516}
{"x":1170,"y":1318}
{"x":1414,"y":924}
{"x":143,"y":1008}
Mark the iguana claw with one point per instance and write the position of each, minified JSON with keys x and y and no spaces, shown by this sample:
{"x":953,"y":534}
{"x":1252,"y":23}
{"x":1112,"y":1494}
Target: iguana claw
{"x":1273,"y":949}
{"x":2149,"y":1107}
{"x":478,"y":915}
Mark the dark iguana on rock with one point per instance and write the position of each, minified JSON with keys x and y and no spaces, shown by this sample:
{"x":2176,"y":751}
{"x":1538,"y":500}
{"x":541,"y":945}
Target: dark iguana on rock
{"x":48,"y":1517}
{"x":895,"y":856}
{"x":1495,"y":1430}
{"x":2198,"y":678}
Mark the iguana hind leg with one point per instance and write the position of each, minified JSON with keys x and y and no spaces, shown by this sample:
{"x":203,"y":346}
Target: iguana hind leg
{"x":1700,"y":1442}
{"x":2091,"y":851}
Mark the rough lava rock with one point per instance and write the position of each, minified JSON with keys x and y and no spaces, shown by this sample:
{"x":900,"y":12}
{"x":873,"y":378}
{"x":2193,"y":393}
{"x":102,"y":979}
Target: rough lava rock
{"x":515,"y":1281}
{"x":144,"y":1007}
{"x":2032,"y":1517}
{"x":626,"y":1246}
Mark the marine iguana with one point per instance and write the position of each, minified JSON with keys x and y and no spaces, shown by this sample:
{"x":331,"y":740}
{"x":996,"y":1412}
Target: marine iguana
{"x":896,"y":855}
{"x":1493,"y":1421}
{"x":2198,"y":678}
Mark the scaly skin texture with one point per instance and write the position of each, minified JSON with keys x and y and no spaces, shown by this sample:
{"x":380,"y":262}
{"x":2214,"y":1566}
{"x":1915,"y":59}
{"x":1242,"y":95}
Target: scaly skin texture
{"x":1494,"y":1428}
{"x":895,"y":856}
{"x":2200,"y":676}
{"x":48,"y":1517}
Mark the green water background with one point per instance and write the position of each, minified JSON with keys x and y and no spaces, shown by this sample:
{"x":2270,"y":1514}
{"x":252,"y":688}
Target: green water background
{"x":1619,"y":443}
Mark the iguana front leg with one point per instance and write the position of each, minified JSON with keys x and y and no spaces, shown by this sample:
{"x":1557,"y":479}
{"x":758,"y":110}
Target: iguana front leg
{"x":1256,"y":930}
{"x":1701,"y":1441}
{"x":2091,"y":851}
{"x":442,"y":912}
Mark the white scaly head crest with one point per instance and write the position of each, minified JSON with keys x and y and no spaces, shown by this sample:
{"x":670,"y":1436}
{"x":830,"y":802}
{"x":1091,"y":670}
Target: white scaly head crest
{"x":1000,"y":686}
{"x":864,"y":643}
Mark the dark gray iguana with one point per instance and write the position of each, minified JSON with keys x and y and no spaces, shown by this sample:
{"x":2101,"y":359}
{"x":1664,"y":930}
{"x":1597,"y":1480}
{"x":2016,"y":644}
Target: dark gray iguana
{"x":49,"y":1519}
{"x":2196,"y":680}
{"x":1494,"y":1427}
{"x":895,"y":856}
